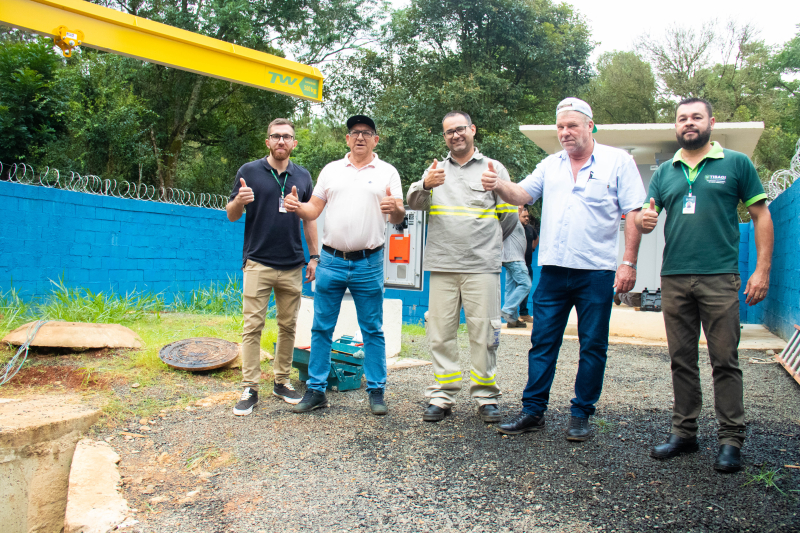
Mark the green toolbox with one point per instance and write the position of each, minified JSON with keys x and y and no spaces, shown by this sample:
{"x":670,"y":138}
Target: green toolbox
{"x":347,"y":363}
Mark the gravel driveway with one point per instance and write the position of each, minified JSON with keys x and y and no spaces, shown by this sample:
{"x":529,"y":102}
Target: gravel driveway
{"x":342,"y":469}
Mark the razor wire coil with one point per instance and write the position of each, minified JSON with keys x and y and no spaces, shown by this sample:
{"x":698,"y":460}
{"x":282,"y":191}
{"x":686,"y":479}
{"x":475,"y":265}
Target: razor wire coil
{"x":783,"y":179}
{"x":52,"y":178}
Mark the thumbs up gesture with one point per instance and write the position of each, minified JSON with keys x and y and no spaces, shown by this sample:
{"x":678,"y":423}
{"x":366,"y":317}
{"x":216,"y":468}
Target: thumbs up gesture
{"x":435,"y":176}
{"x":245,"y":194}
{"x":650,"y":217}
{"x":291,"y":202}
{"x":388,"y":203}
{"x":489,"y":178}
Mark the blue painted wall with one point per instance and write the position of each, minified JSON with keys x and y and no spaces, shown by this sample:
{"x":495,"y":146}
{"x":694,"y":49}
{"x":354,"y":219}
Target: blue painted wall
{"x":781,"y":308}
{"x":101,"y":243}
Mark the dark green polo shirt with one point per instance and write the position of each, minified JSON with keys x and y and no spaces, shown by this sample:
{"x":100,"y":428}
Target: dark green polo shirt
{"x":706,"y":242}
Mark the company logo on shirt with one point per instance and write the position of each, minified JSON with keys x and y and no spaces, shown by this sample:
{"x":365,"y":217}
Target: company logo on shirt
{"x":716,"y":179}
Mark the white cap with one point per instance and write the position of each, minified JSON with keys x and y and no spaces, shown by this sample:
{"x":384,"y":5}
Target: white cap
{"x":574,"y":104}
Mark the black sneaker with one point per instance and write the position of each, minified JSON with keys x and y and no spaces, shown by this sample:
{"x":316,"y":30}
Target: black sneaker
{"x":376,"y":403}
{"x":522,"y":423}
{"x":579,"y":429}
{"x":286,"y":392}
{"x":312,"y":399}
{"x":246,"y":403}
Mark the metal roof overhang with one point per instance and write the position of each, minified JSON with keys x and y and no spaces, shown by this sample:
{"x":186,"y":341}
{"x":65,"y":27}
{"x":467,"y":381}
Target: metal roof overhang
{"x":645,"y":141}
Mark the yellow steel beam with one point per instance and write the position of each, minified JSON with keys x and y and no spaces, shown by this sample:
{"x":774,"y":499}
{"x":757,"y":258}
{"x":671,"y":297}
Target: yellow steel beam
{"x":127,"y":35}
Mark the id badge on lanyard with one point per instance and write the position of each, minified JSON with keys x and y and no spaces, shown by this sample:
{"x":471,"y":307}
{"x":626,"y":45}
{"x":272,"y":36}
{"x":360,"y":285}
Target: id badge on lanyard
{"x":281,"y":206}
{"x":689,"y":201}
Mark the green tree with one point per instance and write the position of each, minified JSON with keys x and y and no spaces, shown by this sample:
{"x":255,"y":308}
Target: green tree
{"x":624,"y":91}
{"x":30,"y":110}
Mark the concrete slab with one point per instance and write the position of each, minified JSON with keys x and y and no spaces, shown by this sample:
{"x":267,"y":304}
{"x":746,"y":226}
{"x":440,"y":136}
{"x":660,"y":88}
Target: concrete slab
{"x":37,"y":441}
{"x":94,"y":504}
{"x":348,"y":322}
{"x":395,"y":363}
{"x":81,"y":335}
{"x":646,"y":328}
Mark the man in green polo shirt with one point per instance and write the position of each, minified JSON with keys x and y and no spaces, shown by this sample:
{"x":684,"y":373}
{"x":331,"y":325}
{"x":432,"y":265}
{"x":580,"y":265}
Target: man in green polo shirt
{"x":700,"y":188}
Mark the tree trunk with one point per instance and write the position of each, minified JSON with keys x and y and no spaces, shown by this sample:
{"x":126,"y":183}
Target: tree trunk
{"x":171,"y":155}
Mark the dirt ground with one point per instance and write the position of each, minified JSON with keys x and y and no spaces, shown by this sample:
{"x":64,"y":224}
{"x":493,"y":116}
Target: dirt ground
{"x":342,"y":469}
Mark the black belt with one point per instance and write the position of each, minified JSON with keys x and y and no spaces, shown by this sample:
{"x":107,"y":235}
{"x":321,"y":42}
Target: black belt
{"x":351,"y":256}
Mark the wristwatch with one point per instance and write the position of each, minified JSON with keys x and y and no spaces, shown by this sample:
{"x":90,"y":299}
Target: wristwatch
{"x":632,"y":265}
{"x":312,"y":257}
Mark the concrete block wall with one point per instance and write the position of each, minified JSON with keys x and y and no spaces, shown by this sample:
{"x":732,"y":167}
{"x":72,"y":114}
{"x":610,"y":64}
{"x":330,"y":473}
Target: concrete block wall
{"x":781,"y":308}
{"x":101,"y":243}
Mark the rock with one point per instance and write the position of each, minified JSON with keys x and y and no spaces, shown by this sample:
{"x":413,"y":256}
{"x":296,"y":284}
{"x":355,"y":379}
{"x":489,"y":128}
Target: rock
{"x":217,"y":399}
{"x":79,"y":335}
{"x":37,"y":443}
{"x":158,"y":499}
{"x":95,"y":504}
{"x":143,"y":421}
{"x":135,"y":386}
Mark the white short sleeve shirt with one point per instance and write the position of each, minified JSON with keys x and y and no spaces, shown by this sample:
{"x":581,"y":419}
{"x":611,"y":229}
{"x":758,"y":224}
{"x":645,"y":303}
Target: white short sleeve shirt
{"x":581,"y":217}
{"x":353,"y":218}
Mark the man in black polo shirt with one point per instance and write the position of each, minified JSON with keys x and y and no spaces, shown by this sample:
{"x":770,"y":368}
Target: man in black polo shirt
{"x":272,"y":258}
{"x":700,"y":189}
{"x":532,"y":241}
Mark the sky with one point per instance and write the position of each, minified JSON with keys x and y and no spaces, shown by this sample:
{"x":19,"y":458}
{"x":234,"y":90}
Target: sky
{"x":617,"y":24}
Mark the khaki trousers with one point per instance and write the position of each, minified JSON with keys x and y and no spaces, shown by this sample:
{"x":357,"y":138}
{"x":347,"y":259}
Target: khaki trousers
{"x":259,"y":282}
{"x":687,"y":301}
{"x":479,"y":294}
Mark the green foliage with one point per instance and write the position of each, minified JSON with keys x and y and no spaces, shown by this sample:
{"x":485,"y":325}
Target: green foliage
{"x":318,"y":144}
{"x":30,"y":108}
{"x":216,"y":298}
{"x":767,"y":477}
{"x":624,"y":91}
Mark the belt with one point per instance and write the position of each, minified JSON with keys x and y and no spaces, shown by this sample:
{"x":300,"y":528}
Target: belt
{"x":351,"y":256}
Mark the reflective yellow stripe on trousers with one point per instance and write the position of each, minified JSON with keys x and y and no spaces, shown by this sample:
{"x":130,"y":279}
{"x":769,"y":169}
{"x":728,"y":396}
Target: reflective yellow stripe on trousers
{"x":448,"y":378}
{"x":481,"y":381}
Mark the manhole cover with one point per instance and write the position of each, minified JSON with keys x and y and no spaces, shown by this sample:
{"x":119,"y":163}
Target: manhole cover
{"x":200,"y":353}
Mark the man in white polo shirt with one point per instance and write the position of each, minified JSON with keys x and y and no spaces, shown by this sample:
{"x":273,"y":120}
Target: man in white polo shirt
{"x":362,"y":193}
{"x":585,"y":190}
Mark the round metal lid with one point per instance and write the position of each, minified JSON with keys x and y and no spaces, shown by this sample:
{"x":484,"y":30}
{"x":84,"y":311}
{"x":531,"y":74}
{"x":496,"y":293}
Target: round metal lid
{"x":199,"y":353}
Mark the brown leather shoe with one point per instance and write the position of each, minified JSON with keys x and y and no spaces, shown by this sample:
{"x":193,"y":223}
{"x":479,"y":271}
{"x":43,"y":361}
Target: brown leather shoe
{"x":526,"y":318}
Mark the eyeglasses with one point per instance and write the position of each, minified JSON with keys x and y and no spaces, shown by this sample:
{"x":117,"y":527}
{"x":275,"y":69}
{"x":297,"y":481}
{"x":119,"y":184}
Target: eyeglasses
{"x":460,"y":130}
{"x":277,"y":138}
{"x":365,"y":133}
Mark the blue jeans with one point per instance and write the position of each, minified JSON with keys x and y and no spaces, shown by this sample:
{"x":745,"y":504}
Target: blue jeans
{"x":364,"y":278}
{"x":518,"y":285}
{"x":559,"y":289}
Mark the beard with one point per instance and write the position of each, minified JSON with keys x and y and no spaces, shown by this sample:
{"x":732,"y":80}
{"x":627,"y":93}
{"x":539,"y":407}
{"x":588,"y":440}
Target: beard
{"x":280,"y":155}
{"x":698,"y":142}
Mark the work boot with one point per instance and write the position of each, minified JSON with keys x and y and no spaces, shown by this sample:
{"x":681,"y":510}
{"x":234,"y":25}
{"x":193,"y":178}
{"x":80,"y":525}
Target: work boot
{"x":246,"y":403}
{"x":489,"y":413}
{"x":522,"y":423}
{"x":312,"y":399}
{"x":674,"y":446}
{"x":434,"y":413}
{"x":729,"y":459}
{"x":376,"y":402}
{"x":578,"y":429}
{"x":286,"y":392}
{"x":515,"y":324}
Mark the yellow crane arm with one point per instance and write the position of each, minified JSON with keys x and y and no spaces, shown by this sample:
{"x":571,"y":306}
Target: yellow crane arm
{"x":78,"y":22}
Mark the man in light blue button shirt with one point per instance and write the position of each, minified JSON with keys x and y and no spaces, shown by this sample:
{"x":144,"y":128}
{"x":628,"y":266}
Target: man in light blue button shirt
{"x":585,"y":190}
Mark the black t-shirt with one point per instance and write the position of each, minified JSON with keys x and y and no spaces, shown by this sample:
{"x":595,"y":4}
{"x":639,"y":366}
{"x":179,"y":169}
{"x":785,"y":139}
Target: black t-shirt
{"x":530,"y":236}
{"x":272,"y":238}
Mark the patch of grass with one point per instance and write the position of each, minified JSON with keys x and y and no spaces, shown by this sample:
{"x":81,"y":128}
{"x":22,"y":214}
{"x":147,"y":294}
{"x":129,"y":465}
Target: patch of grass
{"x":766,"y":476}
{"x":217,"y":299}
{"x":416,"y":330}
{"x":202,"y":455}
{"x":603,"y":425}
{"x":82,"y":305}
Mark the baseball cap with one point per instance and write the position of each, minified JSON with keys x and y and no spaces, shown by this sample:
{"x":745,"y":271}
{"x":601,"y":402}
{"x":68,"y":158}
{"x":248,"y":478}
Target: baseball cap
{"x":361,"y":119}
{"x":575,"y":104}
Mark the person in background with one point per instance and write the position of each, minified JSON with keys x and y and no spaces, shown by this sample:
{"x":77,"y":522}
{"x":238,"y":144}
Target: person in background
{"x":531,"y":242}
{"x":518,"y":281}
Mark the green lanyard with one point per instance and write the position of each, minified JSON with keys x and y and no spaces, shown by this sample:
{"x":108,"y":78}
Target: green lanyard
{"x":699,"y":170}
{"x":283,"y":187}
